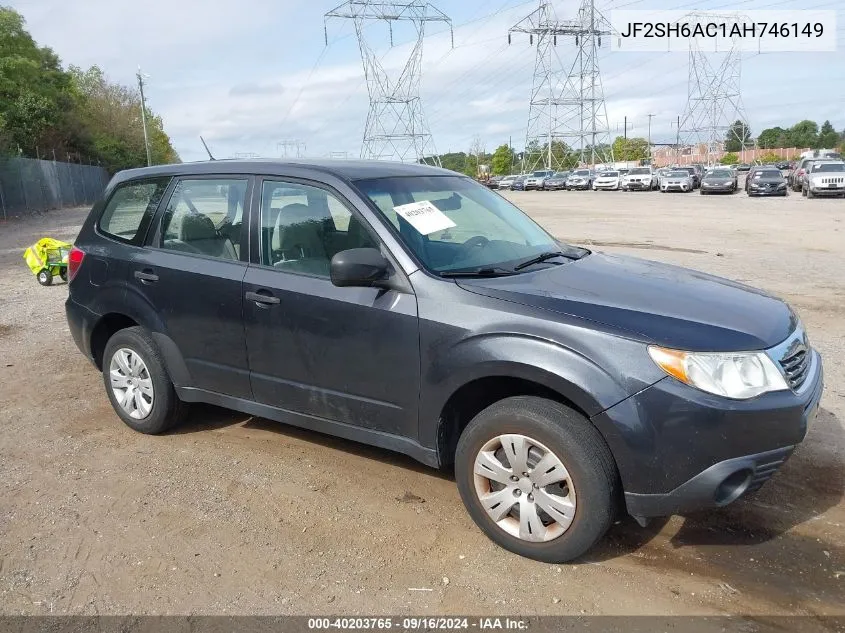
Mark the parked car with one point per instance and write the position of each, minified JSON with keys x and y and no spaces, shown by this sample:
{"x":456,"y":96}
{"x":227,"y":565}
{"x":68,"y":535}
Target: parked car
{"x":797,"y":175}
{"x":743,"y":167}
{"x":719,"y":181}
{"x":750,"y":175}
{"x":695,"y":176}
{"x":826,"y":178}
{"x":640,"y":179}
{"x":493,"y":182}
{"x":677,"y":180}
{"x":556,"y":181}
{"x":783,"y":165}
{"x":607,"y":180}
{"x":519,"y":183}
{"x":506,"y":182}
{"x":536,"y":179}
{"x":452,"y":328}
{"x":580,"y":179}
{"x":766,"y":182}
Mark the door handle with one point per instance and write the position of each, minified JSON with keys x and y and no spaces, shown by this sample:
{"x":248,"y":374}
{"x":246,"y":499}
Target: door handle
{"x":146,"y":276}
{"x":263,"y":300}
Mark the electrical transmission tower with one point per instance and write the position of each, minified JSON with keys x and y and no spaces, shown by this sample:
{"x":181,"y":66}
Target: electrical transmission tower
{"x":714,"y":102}
{"x":567,"y":109}
{"x":395,"y":127}
{"x":291,"y":148}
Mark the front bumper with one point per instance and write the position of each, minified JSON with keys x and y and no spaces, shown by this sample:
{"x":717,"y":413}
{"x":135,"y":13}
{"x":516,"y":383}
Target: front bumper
{"x":768,"y":191}
{"x":533,"y":185}
{"x":637,"y":186}
{"x":674,"y":187}
{"x":823,"y":190}
{"x":717,"y":188}
{"x":679,"y":449}
{"x":578,"y":185}
{"x":606,"y":185}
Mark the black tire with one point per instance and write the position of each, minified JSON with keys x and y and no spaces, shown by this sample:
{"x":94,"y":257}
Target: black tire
{"x":63,"y":274}
{"x":580,"y":447}
{"x":167,"y":410}
{"x":45,"y":277}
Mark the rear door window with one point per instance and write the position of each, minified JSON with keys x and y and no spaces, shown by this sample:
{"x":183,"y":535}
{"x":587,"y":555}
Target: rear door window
{"x":131,"y":207}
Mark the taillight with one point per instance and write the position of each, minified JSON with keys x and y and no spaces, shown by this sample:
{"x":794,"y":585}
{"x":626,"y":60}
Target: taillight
{"x":74,"y":261}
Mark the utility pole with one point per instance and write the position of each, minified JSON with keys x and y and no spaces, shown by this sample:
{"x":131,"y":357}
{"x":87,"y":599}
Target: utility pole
{"x":678,"y":141}
{"x":649,"y":132}
{"x":626,"y":128}
{"x":144,"y":116}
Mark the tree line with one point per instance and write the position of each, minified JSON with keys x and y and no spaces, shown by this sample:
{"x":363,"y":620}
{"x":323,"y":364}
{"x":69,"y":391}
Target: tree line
{"x":47,"y":111}
{"x":803,"y":134}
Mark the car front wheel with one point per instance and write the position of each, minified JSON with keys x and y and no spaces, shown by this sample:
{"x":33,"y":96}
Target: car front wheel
{"x":138,"y":384}
{"x":537,"y":478}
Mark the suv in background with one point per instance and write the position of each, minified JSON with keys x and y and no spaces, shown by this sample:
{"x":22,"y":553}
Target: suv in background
{"x":796,"y":178}
{"x":824,"y":178}
{"x":412,"y":308}
{"x":580,"y":179}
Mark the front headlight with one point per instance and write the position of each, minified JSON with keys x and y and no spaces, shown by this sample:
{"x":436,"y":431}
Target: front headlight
{"x":738,"y":375}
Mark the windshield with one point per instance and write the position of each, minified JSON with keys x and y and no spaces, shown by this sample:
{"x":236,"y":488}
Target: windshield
{"x":540,"y":174}
{"x":610,"y":174}
{"x":457,"y":224}
{"x":581,"y":172}
{"x":720,"y":173}
{"x":768,"y":173}
{"x":639,"y":171}
{"x":678,"y":174}
{"x":561,"y":174}
{"x":829,"y":167}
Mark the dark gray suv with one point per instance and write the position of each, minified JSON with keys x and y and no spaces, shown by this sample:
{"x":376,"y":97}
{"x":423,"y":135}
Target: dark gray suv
{"x":412,"y":308}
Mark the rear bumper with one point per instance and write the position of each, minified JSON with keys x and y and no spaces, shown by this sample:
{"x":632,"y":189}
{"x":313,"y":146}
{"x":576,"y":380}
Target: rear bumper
{"x":81,"y":321}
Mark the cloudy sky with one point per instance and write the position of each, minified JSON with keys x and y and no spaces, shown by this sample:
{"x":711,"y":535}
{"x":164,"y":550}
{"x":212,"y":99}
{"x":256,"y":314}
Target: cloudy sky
{"x":249,"y":74}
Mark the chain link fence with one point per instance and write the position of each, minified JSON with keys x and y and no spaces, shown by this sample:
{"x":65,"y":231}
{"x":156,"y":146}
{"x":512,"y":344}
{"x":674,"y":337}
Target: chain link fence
{"x":28,"y":185}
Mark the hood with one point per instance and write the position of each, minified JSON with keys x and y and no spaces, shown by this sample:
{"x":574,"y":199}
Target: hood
{"x":659,"y":303}
{"x":769,"y":180}
{"x":718,"y":181}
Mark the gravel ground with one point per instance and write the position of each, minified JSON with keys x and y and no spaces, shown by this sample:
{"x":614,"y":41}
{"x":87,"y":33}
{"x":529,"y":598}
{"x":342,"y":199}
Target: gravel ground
{"x":232,"y":514}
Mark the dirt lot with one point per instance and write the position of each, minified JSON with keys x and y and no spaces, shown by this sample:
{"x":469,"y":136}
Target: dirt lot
{"x":232,"y":514}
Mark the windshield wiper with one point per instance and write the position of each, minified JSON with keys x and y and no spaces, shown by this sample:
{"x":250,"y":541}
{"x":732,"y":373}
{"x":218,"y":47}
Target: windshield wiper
{"x":480,"y":272}
{"x":540,"y":259}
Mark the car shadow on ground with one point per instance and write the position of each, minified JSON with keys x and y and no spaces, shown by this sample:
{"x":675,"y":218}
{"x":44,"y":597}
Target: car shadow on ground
{"x":811,"y":482}
{"x":205,"y":417}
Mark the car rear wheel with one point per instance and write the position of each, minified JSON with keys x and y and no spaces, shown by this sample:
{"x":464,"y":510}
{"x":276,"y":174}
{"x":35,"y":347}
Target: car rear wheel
{"x":537,"y":478}
{"x":138,"y":385}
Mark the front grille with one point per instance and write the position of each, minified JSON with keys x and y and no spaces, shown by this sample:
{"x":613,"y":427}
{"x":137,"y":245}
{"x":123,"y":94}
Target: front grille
{"x":830,"y":181}
{"x":796,"y":363}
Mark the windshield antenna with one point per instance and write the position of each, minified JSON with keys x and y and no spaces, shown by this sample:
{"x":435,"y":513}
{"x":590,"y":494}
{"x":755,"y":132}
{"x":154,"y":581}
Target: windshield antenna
{"x":208,"y":151}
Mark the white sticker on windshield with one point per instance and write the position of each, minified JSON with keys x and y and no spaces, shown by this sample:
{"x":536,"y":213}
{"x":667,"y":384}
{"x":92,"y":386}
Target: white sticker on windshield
{"x":424,"y":217}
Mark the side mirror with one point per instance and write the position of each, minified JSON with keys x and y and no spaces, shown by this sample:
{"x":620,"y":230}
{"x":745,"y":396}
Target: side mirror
{"x":359,"y":267}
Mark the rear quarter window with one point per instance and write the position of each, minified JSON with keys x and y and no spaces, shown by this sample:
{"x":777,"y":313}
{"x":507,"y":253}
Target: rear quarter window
{"x":131,"y":207}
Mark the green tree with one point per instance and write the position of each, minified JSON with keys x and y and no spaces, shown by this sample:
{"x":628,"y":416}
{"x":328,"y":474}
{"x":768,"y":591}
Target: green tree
{"x":738,"y":137}
{"x":729,"y":159}
{"x":772,"y":137}
{"x":769,"y":157}
{"x":77,"y":113}
{"x":828,"y":137}
{"x":503,"y":160}
{"x":630,"y":149}
{"x":805,"y":134}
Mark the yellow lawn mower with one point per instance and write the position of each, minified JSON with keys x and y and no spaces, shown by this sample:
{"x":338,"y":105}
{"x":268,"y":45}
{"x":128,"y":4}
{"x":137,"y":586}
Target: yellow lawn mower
{"x":48,"y":258}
